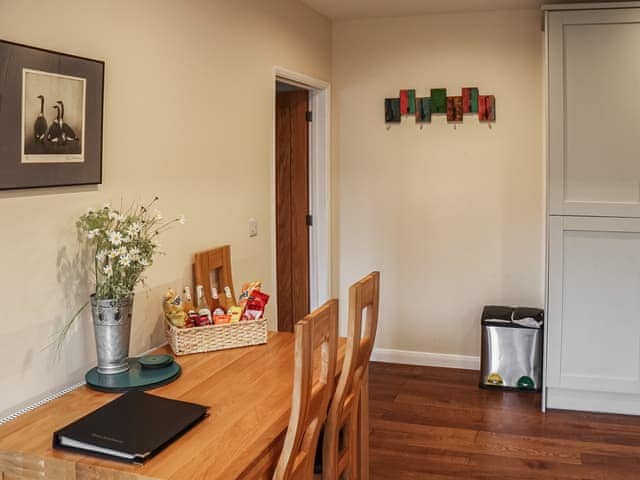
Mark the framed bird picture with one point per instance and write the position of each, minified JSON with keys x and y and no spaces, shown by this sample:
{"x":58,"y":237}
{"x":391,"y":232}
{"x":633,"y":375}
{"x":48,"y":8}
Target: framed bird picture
{"x":51,"y":106}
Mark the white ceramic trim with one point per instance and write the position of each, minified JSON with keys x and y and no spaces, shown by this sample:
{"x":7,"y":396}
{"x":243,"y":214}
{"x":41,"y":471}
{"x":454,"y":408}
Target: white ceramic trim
{"x":427,"y":359}
{"x":53,"y":396}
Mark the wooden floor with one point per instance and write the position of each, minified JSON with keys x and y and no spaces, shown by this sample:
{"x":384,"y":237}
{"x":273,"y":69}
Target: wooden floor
{"x":435,"y":423}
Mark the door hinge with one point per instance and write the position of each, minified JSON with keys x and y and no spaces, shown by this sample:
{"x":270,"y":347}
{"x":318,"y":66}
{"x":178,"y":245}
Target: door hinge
{"x":309,"y":116}
{"x":309,"y":220}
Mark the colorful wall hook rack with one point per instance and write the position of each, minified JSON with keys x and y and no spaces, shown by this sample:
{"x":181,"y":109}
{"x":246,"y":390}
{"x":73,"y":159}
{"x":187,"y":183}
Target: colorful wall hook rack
{"x":439,"y":103}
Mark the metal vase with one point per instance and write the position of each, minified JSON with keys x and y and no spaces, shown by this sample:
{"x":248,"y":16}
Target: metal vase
{"x":112,"y":328}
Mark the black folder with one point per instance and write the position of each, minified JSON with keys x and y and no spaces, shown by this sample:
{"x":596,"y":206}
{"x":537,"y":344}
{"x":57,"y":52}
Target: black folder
{"x":131,"y":428}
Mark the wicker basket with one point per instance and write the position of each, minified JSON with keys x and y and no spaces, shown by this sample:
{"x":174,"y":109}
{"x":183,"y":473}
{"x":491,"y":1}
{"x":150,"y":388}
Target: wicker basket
{"x":184,"y":341}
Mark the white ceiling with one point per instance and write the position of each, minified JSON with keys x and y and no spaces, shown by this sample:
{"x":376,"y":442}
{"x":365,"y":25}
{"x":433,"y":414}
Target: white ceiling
{"x":349,"y":9}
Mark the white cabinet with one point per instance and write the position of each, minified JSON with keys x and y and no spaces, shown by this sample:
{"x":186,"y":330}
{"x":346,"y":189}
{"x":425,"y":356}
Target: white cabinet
{"x":594,"y":112}
{"x":593,"y":295}
{"x":594,"y":305}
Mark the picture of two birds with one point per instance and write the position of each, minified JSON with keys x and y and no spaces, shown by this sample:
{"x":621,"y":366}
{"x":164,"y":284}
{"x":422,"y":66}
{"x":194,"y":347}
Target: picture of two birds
{"x":56,"y":133}
{"x":52,"y":117}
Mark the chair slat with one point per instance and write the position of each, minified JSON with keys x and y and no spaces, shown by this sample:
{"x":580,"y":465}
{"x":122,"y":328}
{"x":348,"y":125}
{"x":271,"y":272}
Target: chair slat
{"x":316,"y":343}
{"x":349,"y":410}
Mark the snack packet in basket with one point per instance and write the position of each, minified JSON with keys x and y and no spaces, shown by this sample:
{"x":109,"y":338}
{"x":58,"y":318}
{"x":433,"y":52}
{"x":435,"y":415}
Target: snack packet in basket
{"x":173,"y":310}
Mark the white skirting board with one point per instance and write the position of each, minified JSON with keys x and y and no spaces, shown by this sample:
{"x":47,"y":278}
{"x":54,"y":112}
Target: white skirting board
{"x":426,"y":359}
{"x":589,"y":401}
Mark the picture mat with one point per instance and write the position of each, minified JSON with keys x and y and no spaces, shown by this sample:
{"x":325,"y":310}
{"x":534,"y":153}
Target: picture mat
{"x":72,"y":91}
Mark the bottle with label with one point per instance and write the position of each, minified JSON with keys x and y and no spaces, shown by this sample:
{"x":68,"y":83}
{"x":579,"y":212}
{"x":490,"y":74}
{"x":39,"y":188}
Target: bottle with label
{"x":204,"y":314}
{"x":215,"y":307}
{"x":228,"y":298}
{"x":234,"y":311}
{"x":187,"y":305}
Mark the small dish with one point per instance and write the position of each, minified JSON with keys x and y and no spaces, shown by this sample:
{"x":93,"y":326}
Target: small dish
{"x":155,"y":361}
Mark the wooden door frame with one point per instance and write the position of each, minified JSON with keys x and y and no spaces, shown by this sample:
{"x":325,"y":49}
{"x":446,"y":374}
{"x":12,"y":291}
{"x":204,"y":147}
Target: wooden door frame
{"x":319,"y":187}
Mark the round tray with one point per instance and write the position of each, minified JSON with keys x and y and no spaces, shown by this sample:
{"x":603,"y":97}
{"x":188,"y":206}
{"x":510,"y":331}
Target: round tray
{"x":136,"y":378}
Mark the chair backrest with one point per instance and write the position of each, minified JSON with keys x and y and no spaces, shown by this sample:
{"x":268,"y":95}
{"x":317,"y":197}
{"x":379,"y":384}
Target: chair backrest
{"x":316,"y":350}
{"x":213,"y":269}
{"x":345,"y":453}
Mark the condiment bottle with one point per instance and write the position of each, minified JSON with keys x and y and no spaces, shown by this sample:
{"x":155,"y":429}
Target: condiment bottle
{"x":215,"y":307}
{"x":204,"y":314}
{"x":187,"y":305}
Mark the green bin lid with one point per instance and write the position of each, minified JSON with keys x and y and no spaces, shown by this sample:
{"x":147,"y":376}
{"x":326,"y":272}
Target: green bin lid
{"x":526,"y":383}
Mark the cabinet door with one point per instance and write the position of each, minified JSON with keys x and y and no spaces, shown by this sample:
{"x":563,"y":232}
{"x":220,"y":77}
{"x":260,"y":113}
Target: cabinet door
{"x":594,"y":112}
{"x":593,"y":320}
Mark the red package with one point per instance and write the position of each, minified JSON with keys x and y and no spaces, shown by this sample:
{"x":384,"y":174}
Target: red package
{"x":255,"y":306}
{"x":259,"y":297}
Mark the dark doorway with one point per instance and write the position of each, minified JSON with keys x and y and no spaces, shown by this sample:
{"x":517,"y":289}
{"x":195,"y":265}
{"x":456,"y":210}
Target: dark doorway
{"x":292,"y":204}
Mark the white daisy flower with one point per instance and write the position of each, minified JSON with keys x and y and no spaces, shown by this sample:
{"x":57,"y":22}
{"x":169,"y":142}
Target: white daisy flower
{"x":134,"y":229}
{"x":134,"y":253}
{"x":182,"y":220}
{"x":113,"y":215}
{"x":101,"y":256}
{"x":91,"y":234}
{"x":125,"y":260}
{"x":144,"y":262}
{"x":157,"y":214}
{"x":107,"y":270}
{"x":114,"y":253}
{"x":115,"y":238}
{"x":106,"y":206}
{"x":91,"y":211}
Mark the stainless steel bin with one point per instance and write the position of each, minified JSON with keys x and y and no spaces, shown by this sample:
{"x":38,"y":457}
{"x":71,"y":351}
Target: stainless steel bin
{"x":512,"y":348}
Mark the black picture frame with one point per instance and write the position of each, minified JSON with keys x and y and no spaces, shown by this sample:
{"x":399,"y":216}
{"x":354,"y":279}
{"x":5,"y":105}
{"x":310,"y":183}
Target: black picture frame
{"x":28,"y":160}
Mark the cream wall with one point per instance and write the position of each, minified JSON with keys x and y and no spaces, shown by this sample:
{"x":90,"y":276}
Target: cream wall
{"x":187,"y":116}
{"x":453,"y":217}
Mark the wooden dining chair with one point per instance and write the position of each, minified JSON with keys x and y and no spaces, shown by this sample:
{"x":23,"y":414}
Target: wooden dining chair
{"x":316,"y":350}
{"x":346,"y":433}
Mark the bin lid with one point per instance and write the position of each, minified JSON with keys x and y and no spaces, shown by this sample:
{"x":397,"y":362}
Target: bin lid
{"x":522,"y":317}
{"x":528,"y":312}
{"x":497,"y":313}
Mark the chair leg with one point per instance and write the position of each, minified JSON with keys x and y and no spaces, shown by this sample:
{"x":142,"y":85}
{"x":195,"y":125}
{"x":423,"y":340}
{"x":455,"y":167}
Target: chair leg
{"x":363,"y":429}
{"x":353,"y":448}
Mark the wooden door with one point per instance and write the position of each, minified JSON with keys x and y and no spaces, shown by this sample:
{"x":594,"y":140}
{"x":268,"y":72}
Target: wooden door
{"x":292,"y":207}
{"x":594,"y":112}
{"x":593,"y":316}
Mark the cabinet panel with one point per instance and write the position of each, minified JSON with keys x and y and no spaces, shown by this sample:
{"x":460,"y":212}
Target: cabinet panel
{"x":593,"y":320}
{"x":594,"y":112}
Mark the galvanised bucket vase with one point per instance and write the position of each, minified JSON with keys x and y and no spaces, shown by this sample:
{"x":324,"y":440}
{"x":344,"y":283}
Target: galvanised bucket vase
{"x":112,"y":328}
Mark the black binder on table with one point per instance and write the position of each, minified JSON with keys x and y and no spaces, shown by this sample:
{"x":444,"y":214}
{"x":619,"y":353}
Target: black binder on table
{"x":132,"y":428}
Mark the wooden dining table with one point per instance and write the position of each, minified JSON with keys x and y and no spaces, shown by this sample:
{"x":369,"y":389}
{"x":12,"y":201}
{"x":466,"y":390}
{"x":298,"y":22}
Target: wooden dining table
{"x":247,"y":389}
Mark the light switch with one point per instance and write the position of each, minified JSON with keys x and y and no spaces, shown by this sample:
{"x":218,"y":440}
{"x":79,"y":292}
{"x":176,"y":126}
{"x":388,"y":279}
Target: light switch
{"x":253,"y":227}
